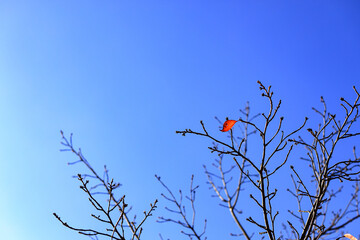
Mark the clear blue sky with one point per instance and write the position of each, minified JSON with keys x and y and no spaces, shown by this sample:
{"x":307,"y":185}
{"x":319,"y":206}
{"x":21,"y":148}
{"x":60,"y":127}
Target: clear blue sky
{"x":123,"y":76}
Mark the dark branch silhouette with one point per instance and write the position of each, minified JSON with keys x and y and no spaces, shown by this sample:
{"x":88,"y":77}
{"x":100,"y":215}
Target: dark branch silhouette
{"x":115,"y":212}
{"x":180,"y":210}
{"x":239,"y":173}
{"x":258,"y":171}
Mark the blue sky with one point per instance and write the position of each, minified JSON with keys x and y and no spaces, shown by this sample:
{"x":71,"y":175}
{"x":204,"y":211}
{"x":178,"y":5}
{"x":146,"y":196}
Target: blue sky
{"x":123,"y":76}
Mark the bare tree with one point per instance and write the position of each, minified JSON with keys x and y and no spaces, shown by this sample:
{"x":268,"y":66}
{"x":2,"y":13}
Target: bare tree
{"x":239,"y":173}
{"x":257,"y":172}
{"x":320,"y":151}
{"x":114,"y":212}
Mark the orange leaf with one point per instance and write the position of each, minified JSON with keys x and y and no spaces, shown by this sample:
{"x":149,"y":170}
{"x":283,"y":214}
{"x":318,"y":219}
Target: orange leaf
{"x":228,"y":124}
{"x":349,"y":236}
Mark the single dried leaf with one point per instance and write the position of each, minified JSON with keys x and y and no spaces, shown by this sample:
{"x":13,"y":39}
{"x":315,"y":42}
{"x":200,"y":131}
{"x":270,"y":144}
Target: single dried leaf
{"x":349,"y":236}
{"x":228,"y":124}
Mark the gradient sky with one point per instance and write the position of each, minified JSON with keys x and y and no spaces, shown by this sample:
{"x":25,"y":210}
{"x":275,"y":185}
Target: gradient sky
{"x":123,"y":76}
